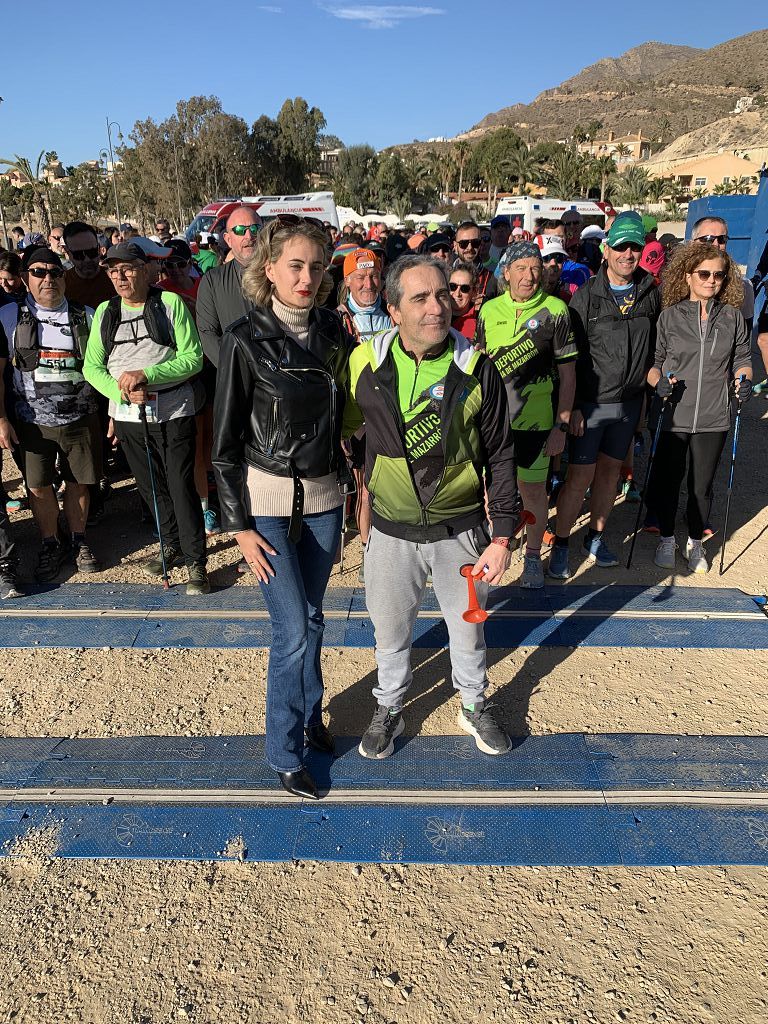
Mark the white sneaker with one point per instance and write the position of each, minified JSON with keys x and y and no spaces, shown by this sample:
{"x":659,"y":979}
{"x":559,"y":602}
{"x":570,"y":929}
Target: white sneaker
{"x":694,"y":552}
{"x":665,"y":553}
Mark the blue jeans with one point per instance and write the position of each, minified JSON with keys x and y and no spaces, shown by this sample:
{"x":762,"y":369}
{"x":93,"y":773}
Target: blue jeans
{"x":294,"y":599}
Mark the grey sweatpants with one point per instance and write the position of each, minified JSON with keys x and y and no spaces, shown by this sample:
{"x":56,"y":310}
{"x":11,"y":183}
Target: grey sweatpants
{"x":395,"y":578}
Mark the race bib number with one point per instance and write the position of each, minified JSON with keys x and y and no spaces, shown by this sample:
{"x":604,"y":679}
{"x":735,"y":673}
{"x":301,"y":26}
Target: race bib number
{"x":129,"y":413}
{"x":56,"y":367}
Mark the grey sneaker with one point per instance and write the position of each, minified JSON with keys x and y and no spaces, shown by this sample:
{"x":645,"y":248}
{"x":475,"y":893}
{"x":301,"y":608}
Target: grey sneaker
{"x":697,"y":560}
{"x":533,"y":573}
{"x":85,"y":560}
{"x":198,"y":583}
{"x":665,"y":553}
{"x":379,"y":739}
{"x":173,"y":559}
{"x":479,"y":722}
{"x":9,"y":585}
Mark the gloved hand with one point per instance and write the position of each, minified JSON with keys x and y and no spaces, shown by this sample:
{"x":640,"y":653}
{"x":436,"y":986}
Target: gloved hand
{"x":664,"y":387}
{"x":743,"y":390}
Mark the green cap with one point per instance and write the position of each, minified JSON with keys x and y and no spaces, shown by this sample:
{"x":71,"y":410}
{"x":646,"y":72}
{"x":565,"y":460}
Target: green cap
{"x":626,"y":228}
{"x":649,"y":223}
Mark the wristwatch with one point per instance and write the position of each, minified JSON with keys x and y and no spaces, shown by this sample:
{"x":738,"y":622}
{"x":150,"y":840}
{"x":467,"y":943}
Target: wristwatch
{"x":563,"y":427}
{"x":501,"y":541}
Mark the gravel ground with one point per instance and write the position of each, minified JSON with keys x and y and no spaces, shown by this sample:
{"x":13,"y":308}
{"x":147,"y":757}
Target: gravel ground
{"x":150,"y":943}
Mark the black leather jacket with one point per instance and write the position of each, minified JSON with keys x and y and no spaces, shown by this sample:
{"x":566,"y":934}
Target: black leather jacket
{"x":279,"y":408}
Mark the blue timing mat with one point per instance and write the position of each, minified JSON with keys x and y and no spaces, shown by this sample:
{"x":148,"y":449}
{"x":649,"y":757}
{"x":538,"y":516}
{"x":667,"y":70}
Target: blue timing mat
{"x":142,"y":616}
{"x":566,"y":799}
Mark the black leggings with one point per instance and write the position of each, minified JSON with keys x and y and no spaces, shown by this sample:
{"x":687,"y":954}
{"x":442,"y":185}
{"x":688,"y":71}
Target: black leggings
{"x":703,"y":454}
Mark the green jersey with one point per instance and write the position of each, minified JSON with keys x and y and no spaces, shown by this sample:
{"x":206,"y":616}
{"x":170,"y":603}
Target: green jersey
{"x":526,"y":341}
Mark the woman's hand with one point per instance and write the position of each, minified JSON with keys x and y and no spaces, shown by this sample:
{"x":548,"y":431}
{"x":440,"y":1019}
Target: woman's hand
{"x":255,"y":550}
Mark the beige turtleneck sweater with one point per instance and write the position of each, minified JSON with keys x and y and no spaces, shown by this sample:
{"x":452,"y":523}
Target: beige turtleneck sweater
{"x":269,"y":495}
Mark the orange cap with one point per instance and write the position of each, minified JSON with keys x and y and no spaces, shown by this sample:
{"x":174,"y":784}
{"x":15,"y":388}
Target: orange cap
{"x":361,"y":259}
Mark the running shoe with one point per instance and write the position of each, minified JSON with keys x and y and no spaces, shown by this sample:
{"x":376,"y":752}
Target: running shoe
{"x":211,"y":522}
{"x":198,"y":583}
{"x":665,"y":553}
{"x":14,"y":504}
{"x":85,"y":560}
{"x":558,"y":564}
{"x":173,"y":559}
{"x":379,"y":738}
{"x":50,"y":559}
{"x":694,"y":552}
{"x":9,"y":585}
{"x":533,"y":573}
{"x":478,"y":720}
{"x":598,"y":552}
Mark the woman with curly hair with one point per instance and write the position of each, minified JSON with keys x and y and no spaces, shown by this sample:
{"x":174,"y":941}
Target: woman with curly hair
{"x":281,"y":474}
{"x":702,"y":351}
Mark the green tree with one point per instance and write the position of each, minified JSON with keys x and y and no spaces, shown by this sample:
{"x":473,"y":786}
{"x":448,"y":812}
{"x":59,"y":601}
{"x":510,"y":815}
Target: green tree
{"x":632,"y":187}
{"x":354,"y":180}
{"x":462,"y":152}
{"x":593,"y":127}
{"x":37,"y":190}
{"x":564,"y":173}
{"x":393,"y":185}
{"x":604,"y":168}
{"x":621,"y":152}
{"x":86,"y":193}
{"x":491,"y":159}
{"x":658,"y":188}
{"x":264,"y":156}
{"x":523,"y":168}
{"x":299,"y":126}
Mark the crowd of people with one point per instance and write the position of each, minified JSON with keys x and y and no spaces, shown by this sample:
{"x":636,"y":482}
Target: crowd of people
{"x":275,"y":381}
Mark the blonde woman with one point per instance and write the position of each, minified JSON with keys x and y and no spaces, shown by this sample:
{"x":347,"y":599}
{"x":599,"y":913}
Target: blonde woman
{"x":702,"y":352}
{"x":281,"y":474}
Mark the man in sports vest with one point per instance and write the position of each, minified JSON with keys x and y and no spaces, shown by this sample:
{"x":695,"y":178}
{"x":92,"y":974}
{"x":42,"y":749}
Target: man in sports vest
{"x":437,"y":424}
{"x":54,"y":410}
{"x":528,"y":335}
{"x":144,"y":349}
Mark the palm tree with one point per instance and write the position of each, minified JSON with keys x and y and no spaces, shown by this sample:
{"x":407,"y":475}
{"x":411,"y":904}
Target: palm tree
{"x":658,"y":188}
{"x":563,"y":174}
{"x":698,"y":192}
{"x":742,"y":185}
{"x":621,"y":152}
{"x":605,"y":168}
{"x":461,"y":153}
{"x":523,"y":168}
{"x":23,"y":167}
{"x":632,"y":186}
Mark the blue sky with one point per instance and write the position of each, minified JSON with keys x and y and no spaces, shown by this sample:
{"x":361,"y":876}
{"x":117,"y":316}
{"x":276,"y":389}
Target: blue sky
{"x":381,"y":73}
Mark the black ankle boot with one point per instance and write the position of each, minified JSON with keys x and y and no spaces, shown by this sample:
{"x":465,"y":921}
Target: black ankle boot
{"x":299,"y":783}
{"x":320,"y":738}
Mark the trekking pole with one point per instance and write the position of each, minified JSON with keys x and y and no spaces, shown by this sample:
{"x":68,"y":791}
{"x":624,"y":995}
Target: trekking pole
{"x":153,"y":487}
{"x":736,"y":425}
{"x":649,"y":467}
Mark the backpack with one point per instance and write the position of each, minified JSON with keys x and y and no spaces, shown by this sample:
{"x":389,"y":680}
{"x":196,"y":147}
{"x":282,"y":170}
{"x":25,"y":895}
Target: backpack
{"x":154,"y":315}
{"x":26,"y":337}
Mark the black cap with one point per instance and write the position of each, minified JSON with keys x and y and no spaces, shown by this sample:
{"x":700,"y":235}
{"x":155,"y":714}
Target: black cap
{"x":437,"y":241}
{"x":181,"y":250}
{"x":126,"y":252}
{"x":39,"y":254}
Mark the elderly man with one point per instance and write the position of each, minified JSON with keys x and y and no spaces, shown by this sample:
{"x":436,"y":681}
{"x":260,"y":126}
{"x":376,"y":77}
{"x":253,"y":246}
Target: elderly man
{"x":363,"y":312}
{"x":55,"y":413}
{"x":220,"y":299}
{"x":614,"y":320}
{"x":436,"y":424}
{"x":144,"y":350}
{"x":528,"y":335}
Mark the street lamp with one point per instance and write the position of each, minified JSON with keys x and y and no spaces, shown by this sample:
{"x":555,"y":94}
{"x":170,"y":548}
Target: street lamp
{"x":110,"y":126}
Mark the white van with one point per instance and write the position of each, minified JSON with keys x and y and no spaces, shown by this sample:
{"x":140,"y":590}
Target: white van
{"x":212,"y":218}
{"x":524,"y":210}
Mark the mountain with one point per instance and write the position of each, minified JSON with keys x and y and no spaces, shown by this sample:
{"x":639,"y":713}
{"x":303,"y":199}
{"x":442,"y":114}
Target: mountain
{"x":650,"y":86}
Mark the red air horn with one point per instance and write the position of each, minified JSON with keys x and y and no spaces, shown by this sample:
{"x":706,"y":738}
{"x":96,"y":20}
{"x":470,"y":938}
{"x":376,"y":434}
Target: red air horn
{"x":474,"y":612}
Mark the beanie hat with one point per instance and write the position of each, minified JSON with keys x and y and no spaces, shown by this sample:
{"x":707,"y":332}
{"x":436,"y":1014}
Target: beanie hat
{"x":361,"y":259}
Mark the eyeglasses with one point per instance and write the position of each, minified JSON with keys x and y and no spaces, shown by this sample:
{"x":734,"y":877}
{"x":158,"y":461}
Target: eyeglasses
{"x":465,"y":289}
{"x":713,"y":239}
{"x":704,"y":275}
{"x":122,"y":271}
{"x":84,"y":254}
{"x":242,"y":229}
{"x":42,"y":272}
{"x":465,"y":243}
{"x":624,"y":246}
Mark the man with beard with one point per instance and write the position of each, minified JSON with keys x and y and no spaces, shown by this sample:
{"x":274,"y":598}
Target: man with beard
{"x":86,"y":281}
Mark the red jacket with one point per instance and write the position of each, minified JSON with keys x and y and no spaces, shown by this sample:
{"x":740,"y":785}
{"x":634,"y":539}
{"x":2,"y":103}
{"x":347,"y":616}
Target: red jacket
{"x":466,"y":323}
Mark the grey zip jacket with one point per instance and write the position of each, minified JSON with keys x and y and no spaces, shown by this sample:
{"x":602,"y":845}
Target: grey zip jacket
{"x":704,"y":366}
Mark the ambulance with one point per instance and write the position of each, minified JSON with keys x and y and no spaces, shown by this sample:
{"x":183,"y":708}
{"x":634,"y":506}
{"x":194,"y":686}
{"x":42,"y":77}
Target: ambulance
{"x":212,"y":218}
{"x":523,"y":211}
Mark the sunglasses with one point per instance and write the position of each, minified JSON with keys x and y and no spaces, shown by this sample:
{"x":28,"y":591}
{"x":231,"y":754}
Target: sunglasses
{"x":42,"y":272}
{"x":465,"y":243}
{"x":84,"y":254}
{"x":704,"y":275}
{"x":465,"y":289}
{"x":57,"y":238}
{"x":713,"y":239}
{"x":441,"y":248}
{"x":242,"y":229}
{"x":554,"y":258}
{"x":624,"y":246}
{"x":175,"y":264}
{"x":570,"y":223}
{"x":294,"y":218}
